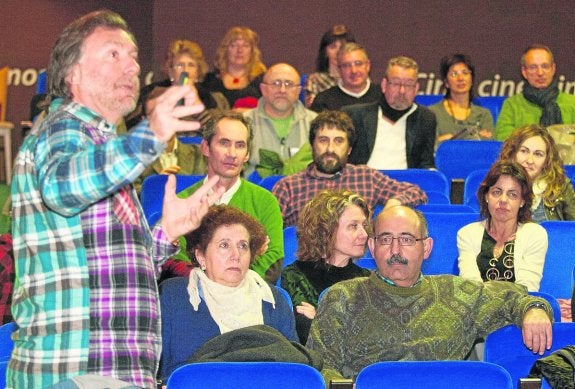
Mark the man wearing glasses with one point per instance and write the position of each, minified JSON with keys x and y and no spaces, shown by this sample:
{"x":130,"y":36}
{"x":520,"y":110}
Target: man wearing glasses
{"x":541,"y":102}
{"x":354,"y":87}
{"x":281,"y":125}
{"x":394,"y":133}
{"x":398,"y":314}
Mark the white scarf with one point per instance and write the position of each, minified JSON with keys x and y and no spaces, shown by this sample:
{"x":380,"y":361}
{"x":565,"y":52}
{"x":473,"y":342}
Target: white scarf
{"x":231,"y":307}
{"x":539,"y":186}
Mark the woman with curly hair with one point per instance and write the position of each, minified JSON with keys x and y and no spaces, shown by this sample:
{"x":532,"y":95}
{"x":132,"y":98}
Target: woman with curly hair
{"x":332,"y":230}
{"x":238,"y":66}
{"x":533,"y":148}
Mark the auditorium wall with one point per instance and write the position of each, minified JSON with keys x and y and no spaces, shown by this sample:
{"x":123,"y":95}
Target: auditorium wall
{"x":494,"y":33}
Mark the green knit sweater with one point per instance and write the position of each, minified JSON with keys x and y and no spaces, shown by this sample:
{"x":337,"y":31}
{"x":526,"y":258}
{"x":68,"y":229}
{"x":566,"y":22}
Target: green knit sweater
{"x":365,"y":320}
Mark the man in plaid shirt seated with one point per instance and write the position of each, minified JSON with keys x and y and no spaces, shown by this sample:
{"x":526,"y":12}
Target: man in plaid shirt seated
{"x":331,"y":136}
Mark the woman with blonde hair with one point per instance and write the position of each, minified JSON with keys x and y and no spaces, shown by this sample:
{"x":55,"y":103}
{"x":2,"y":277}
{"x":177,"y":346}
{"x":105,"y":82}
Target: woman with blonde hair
{"x":332,"y":230}
{"x":238,"y":66}
{"x":534,"y":148}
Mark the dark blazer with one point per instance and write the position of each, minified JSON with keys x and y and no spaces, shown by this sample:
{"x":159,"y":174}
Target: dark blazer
{"x":419,"y":135}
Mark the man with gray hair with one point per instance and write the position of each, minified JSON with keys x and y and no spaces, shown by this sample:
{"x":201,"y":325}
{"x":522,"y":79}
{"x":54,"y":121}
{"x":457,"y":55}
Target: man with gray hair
{"x":354,"y":86}
{"x":394,"y":133}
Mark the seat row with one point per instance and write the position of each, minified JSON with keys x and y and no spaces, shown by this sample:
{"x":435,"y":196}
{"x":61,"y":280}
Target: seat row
{"x":558,"y":271}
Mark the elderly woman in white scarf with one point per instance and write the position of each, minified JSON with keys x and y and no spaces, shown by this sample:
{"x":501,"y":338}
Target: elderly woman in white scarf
{"x":533,"y":148}
{"x":223,"y":294}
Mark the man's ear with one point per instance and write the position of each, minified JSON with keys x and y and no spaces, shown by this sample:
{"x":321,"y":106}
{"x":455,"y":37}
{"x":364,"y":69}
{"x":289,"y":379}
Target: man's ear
{"x":205,"y":148}
{"x":427,"y":247}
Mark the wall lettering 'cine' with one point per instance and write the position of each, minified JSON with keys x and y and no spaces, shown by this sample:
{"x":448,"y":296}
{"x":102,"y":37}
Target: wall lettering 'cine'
{"x":429,"y":84}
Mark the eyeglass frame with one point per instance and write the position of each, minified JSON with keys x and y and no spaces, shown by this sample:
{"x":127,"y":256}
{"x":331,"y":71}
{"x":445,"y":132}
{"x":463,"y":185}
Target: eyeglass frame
{"x":398,"y":85}
{"x":533,"y":68}
{"x":405,"y":236}
{"x":287,"y":84}
{"x":352,"y":64}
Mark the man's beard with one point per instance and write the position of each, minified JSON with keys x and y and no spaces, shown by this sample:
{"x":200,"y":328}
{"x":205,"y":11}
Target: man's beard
{"x":331,"y":167}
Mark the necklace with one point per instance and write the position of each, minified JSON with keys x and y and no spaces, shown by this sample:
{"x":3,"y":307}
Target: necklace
{"x":451,"y":111}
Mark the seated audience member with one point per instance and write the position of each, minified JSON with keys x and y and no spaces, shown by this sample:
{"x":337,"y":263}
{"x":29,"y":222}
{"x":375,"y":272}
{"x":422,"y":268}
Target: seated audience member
{"x":541,"y":102}
{"x":456,"y":115}
{"x":223,"y":294}
{"x":533,"y":148}
{"x":327,"y":71}
{"x":394,"y":133}
{"x":281,"y":124}
{"x":354,"y":86}
{"x":399,"y":314}
{"x":182,"y":56}
{"x":227,"y":145}
{"x":238,"y":66}
{"x":331,"y":136}
{"x":505,"y":245}
{"x":332,"y":230}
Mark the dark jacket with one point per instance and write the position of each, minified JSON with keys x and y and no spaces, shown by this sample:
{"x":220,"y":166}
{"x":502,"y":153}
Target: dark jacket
{"x":419,"y":135}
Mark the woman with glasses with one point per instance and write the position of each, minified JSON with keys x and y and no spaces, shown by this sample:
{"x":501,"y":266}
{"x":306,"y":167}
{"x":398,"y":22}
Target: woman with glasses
{"x":238,"y":68}
{"x":327,"y":70}
{"x":506,"y":245}
{"x":332,"y":230}
{"x":457,"y":117}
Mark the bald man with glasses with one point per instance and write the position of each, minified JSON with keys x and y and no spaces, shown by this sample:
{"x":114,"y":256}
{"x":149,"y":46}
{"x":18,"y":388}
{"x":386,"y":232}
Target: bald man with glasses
{"x":281,"y":125}
{"x":397,"y":313}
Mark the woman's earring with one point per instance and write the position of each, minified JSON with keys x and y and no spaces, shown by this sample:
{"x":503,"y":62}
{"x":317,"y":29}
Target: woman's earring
{"x":203,"y":267}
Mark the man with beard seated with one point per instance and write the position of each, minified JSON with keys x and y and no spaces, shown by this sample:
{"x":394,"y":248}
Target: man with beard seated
{"x":331,"y":135}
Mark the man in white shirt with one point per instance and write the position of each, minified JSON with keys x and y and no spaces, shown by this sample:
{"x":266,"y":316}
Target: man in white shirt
{"x":394,"y":133}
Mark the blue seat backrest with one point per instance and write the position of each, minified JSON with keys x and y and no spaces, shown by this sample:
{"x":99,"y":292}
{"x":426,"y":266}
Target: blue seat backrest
{"x":470,"y":186}
{"x":492,"y":103}
{"x":560,"y":259}
{"x":269,"y":181}
{"x":427,"y":100}
{"x":6,"y":342}
{"x":290,"y":245}
{"x":433,"y":375}
{"x":190,"y":140}
{"x":505,"y":347}
{"x":457,"y":158}
{"x":446,"y":208}
{"x":443,"y":229}
{"x":427,"y":180}
{"x":246,"y":375}
{"x":152,"y":193}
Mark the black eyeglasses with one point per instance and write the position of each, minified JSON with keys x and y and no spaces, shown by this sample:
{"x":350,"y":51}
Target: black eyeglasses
{"x":403,"y":240}
{"x":277,"y":84}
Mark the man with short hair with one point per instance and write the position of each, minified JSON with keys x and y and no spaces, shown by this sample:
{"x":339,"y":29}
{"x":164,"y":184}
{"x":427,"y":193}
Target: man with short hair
{"x":281,"y":124}
{"x":226,"y":144}
{"x":541,"y":102}
{"x":394,"y":133}
{"x":399,"y":314}
{"x":354,"y":86}
{"x":331,"y":135}
{"x":85,"y":298}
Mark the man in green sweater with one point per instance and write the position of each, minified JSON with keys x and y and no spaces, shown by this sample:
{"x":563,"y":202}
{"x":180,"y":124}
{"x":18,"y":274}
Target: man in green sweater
{"x":541,"y":101}
{"x":398,"y":314}
{"x":226,"y":144}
